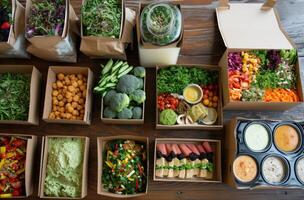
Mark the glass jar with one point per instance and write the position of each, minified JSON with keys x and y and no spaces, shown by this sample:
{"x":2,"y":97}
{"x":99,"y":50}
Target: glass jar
{"x":160,"y":23}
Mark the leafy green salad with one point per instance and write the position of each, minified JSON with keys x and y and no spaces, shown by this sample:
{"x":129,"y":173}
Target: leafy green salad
{"x":124,"y":167}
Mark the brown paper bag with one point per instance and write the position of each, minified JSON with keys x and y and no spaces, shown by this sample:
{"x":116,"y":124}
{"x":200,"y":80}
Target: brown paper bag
{"x":16,"y":44}
{"x":56,"y":48}
{"x":105,"y":47}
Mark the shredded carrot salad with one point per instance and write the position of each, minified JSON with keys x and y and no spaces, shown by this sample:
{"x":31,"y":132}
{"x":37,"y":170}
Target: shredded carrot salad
{"x":280,"y":95}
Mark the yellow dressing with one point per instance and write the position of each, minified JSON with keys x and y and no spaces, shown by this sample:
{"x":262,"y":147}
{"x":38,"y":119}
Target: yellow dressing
{"x":192,"y":94}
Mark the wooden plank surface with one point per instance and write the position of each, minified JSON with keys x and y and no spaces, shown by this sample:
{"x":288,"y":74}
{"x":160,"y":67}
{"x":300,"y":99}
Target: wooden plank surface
{"x":203,"y":44}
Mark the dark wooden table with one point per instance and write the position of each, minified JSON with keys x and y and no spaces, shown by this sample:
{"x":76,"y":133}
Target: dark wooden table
{"x":203,"y":44}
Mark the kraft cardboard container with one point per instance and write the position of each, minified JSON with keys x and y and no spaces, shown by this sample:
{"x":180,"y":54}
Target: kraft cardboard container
{"x":215,"y":144}
{"x":125,"y":121}
{"x":15,"y":46}
{"x":101,"y":142}
{"x":106,"y":47}
{"x":33,"y":113}
{"x":151,"y":55}
{"x":43,"y":165}
{"x":249,"y":26}
{"x":29,"y":162}
{"x":51,"y":78}
{"x":217,"y":126}
{"x":56,"y":48}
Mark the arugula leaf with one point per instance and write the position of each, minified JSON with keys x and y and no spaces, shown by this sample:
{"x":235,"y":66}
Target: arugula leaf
{"x":14,"y":96}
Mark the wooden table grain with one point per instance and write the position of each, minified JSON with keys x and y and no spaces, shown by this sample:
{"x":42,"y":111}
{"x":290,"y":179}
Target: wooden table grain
{"x":202,"y":44}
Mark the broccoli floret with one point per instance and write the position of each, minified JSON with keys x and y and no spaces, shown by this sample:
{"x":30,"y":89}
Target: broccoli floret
{"x":109,"y":113}
{"x":139,"y":72}
{"x":119,"y":102}
{"x":141,"y":83}
{"x":109,"y":96}
{"x":137,"y":112}
{"x":127,"y":84}
{"x":139,"y":96}
{"x":126,"y":113}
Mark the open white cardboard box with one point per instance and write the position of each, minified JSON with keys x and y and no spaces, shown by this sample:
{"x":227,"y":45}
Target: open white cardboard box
{"x":218,"y":124}
{"x":250,"y":26}
{"x":101,"y":142}
{"x":33,"y":113}
{"x":151,"y":55}
{"x":29,"y":161}
{"x":43,"y":165}
{"x":216,"y":146}
{"x":51,"y":78}
{"x":125,"y":121}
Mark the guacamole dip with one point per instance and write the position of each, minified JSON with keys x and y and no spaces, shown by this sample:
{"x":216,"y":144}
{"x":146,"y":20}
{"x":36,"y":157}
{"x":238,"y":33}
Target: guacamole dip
{"x":64,"y":167}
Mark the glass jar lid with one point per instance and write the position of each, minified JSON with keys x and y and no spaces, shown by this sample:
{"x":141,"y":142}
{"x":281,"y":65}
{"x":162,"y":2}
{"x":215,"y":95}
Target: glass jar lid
{"x":160,"y":23}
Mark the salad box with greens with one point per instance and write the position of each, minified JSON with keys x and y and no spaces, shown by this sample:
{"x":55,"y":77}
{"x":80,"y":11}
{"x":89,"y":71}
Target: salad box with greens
{"x":122,"y":166}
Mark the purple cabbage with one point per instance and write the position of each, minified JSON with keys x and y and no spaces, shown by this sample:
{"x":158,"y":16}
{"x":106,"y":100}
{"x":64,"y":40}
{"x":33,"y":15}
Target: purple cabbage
{"x":274,"y":59}
{"x":234,"y":61}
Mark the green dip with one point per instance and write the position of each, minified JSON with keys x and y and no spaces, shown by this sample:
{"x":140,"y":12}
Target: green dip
{"x":64,"y":167}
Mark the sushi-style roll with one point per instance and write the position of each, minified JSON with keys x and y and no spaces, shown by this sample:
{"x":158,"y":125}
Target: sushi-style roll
{"x":204,"y":161}
{"x":177,"y":160}
{"x":209,"y":155}
{"x":170,"y":157}
{"x":195,"y":163}
{"x":161,"y":169}
{"x":191,"y":157}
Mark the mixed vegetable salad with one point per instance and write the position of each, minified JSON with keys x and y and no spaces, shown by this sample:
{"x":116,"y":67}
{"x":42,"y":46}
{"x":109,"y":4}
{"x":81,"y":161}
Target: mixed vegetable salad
{"x":124,"y":167}
{"x":263,"y":75}
{"x":14,"y":96}
{"x":46,"y":18}
{"x":12,"y":166}
{"x":122,"y":88}
{"x":102,"y":18}
{"x":187,"y":95}
{"x":5,"y":20}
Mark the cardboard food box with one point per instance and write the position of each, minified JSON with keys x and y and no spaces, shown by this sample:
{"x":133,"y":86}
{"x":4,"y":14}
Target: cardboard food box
{"x":219,"y":123}
{"x":125,"y":121}
{"x":15,"y":46}
{"x":51,"y":78}
{"x":253,"y":26}
{"x":151,"y":55}
{"x":57,"y":48}
{"x":43,"y":165}
{"x":107,"y":47}
{"x":215,"y":144}
{"x":29,"y":161}
{"x":235,"y":145}
{"x":33,"y":113}
{"x":101,"y":142}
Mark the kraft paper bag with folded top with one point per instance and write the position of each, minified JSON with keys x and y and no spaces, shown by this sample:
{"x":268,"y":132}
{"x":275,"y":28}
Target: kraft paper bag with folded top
{"x":15,"y":46}
{"x":107,"y":47}
{"x":56,"y":48}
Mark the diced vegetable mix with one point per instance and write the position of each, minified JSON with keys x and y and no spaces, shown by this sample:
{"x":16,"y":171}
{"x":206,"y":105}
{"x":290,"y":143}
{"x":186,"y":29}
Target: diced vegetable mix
{"x":124,"y":167}
{"x":263,"y":75}
{"x":122,"y":89}
{"x":5,"y":20}
{"x":14,"y":96}
{"x":46,"y":18}
{"x":102,"y":18}
{"x":12,"y":166}
{"x":171,"y":82}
